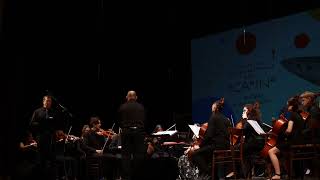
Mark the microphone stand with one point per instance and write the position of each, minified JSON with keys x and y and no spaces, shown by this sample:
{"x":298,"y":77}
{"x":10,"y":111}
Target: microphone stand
{"x":63,"y":108}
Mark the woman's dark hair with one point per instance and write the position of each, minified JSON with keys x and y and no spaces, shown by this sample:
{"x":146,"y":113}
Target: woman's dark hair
{"x":294,"y":102}
{"x":253,"y":113}
{"x":220,"y":104}
{"x":94,"y":120}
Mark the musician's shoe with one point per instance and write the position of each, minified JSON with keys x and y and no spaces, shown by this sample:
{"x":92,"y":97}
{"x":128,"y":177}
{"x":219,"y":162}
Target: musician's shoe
{"x":230,"y":175}
{"x":276,"y":176}
{"x":261,"y":174}
{"x":307,"y":172}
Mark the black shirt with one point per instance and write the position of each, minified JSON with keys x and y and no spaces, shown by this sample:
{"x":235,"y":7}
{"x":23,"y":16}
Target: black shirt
{"x":298,"y":126}
{"x":217,"y":134}
{"x":92,"y":142}
{"x":311,"y":131}
{"x":132,"y":114}
{"x":45,"y":121}
{"x":314,"y":114}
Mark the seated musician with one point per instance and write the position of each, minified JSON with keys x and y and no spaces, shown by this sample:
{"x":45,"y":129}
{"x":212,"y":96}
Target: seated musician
{"x":312,"y":118}
{"x":29,"y":145}
{"x":253,"y":142}
{"x":67,"y":153}
{"x":85,"y":130}
{"x":215,"y":137}
{"x":292,"y":135}
{"x":93,"y":141}
{"x":95,"y":145}
{"x":158,"y":128}
{"x":28,"y":157}
{"x":154,"y":148}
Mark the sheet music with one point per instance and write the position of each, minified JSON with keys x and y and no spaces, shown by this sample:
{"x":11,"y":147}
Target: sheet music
{"x":195,"y":129}
{"x":170,"y":132}
{"x":256,"y":126}
{"x":171,"y":127}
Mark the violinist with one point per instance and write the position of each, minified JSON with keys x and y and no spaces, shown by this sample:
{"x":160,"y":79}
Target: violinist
{"x":60,"y":136}
{"x":154,"y":144}
{"x":215,"y":137}
{"x":67,"y":152}
{"x":292,"y":135}
{"x":85,"y":130}
{"x":28,"y":157}
{"x":95,"y":147}
{"x":93,"y":141}
{"x":65,"y":144}
{"x":28,"y":143}
{"x":28,"y":147}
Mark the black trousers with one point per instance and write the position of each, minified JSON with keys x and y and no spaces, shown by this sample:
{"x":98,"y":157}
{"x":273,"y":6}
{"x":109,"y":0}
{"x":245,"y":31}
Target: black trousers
{"x":133,"y":150}
{"x":46,"y":156}
{"x":202,"y":158}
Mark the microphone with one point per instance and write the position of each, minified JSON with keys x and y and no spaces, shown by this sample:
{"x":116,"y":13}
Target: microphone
{"x":64,"y":109}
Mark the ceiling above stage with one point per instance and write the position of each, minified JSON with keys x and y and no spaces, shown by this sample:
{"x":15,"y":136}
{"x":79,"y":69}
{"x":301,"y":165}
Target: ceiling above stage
{"x":103,"y":19}
{"x":200,"y":19}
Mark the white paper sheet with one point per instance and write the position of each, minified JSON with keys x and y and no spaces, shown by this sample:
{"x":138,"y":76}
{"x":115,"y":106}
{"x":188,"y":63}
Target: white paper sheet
{"x":195,"y":129}
{"x":170,"y":132}
{"x":256,"y":126}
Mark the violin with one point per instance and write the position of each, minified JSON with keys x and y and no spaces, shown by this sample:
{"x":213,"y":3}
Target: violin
{"x":61,"y":136}
{"x":32,"y":142}
{"x":28,"y":144}
{"x":106,"y":133}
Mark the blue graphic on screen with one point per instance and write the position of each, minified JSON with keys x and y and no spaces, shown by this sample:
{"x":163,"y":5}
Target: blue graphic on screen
{"x":267,"y":62}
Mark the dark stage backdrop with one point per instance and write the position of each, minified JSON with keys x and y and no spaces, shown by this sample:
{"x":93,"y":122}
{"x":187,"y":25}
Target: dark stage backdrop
{"x":88,"y":56}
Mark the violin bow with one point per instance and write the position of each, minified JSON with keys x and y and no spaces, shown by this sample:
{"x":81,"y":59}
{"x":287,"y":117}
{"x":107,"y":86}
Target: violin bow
{"x":68,"y":134}
{"x":105,"y":143}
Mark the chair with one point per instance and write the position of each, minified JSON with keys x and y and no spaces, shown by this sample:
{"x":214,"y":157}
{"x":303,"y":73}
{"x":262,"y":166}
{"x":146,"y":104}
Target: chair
{"x":301,"y":152}
{"x":257,"y":159}
{"x":232,"y":155}
{"x":93,"y":167}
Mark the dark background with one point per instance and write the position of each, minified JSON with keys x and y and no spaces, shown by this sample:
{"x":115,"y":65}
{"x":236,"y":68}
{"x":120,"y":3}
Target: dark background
{"x":89,"y":53}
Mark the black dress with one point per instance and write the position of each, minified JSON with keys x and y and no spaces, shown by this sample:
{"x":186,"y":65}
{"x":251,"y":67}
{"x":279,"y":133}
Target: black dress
{"x":284,"y":141}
